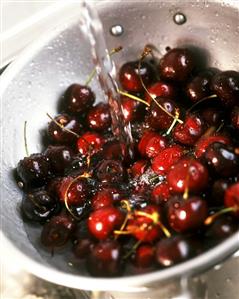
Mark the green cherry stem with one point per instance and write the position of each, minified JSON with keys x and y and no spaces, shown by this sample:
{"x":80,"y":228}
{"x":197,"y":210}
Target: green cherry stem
{"x":25,"y":138}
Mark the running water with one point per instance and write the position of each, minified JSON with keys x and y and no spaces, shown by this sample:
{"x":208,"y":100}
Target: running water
{"x":106,"y":72}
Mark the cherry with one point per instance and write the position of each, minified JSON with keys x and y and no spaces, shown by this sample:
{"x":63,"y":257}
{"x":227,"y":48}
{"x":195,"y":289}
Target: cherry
{"x":199,"y":87}
{"x":226,"y":87}
{"x":161,"y":89}
{"x":221,"y":159}
{"x":235,"y":117}
{"x":82,"y":247}
{"x":99,"y":118}
{"x":187,"y":173}
{"x":38,"y":206}
{"x":138,"y":168}
{"x":132,"y":109}
{"x":213,"y":116}
{"x":166,"y":158}
{"x":34,"y":170}
{"x":160,"y":194}
{"x":190,"y":131}
{"x":113,"y":151}
{"x":90,"y":143}
{"x":52,"y":187}
{"x":174,"y":250}
{"x":144,"y":256}
{"x":231,"y":198}
{"x":177,"y":64}
{"x":60,"y":157}
{"x":103,"y":198}
{"x":57,"y":231}
{"x":78,"y":98}
{"x":110,"y":171}
{"x":129,"y":75}
{"x":58,"y":135}
{"x":155,"y":145}
{"x":78,"y":165}
{"x":218,"y":191}
{"x":204,"y":142}
{"x":104,"y":259}
{"x":102,"y":222}
{"x":159,"y":119}
{"x":186,"y":215}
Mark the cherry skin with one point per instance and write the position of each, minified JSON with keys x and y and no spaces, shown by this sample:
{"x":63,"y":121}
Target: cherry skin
{"x":102,"y":222}
{"x":221,"y":159}
{"x":138,"y":168}
{"x":235,"y":117}
{"x":213,"y":116}
{"x":173,"y":250}
{"x":176,"y":65}
{"x":110,"y":171}
{"x":190,"y":131}
{"x":144,"y":256}
{"x":160,"y":194}
{"x":60,"y":157}
{"x":82,"y":247}
{"x":61,"y":136}
{"x":187,"y":173}
{"x":157,"y":118}
{"x":166,"y":158}
{"x":161,"y":89}
{"x":231,"y":198}
{"x":90,"y":143}
{"x":104,"y":259}
{"x":99,"y":118}
{"x":34,"y":170}
{"x":132,"y":109}
{"x":78,"y":98}
{"x":103,"y":198}
{"x":218,"y":191}
{"x":226,"y":87}
{"x":57,"y":231}
{"x":186,"y":215}
{"x":129,"y":75}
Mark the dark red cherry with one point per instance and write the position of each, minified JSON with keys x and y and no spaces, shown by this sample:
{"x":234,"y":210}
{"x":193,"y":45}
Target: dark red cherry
{"x":144,"y":256}
{"x":199,"y":87}
{"x":60,"y":157}
{"x":53,"y":186}
{"x":231,"y":198}
{"x":155,"y":145}
{"x":132,"y":109}
{"x":235,"y":117}
{"x":204,"y":142}
{"x":99,"y":118}
{"x":213,"y":116}
{"x":173,"y":250}
{"x":38,"y":206}
{"x":188,"y":173}
{"x":147,"y":135}
{"x":177,"y":64}
{"x":221,"y":159}
{"x":104,"y":259}
{"x":161,"y":89}
{"x":57,"y":231}
{"x":160,"y":194}
{"x":159,"y":119}
{"x":103,"y":198}
{"x":129,"y":75}
{"x":78,"y":98}
{"x":218,"y":191}
{"x":110,"y":171}
{"x":90,"y":143}
{"x":34,"y":170}
{"x":166,"y":158}
{"x":61,"y":136}
{"x":186,"y":215}
{"x":138,"y":168}
{"x":226,"y":86}
{"x":190,"y":131}
{"x":82,"y":247}
{"x":102,"y":222}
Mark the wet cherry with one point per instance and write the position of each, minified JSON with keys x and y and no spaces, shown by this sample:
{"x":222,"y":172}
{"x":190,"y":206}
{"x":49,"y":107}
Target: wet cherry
{"x":231,"y":198}
{"x":90,"y":143}
{"x":161,"y":89}
{"x":99,"y":118}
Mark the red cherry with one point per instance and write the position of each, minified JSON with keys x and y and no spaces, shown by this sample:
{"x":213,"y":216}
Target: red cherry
{"x":161,"y":89}
{"x":160,"y":194}
{"x":144,"y":141}
{"x":190,"y":131}
{"x":132,"y":109}
{"x":90,"y":143}
{"x":203,"y":143}
{"x":235,"y":117}
{"x":231,"y":198}
{"x":144,"y":256}
{"x":102,"y":222}
{"x":138,"y":168}
{"x":213,"y":116}
{"x":99,"y":118}
{"x":166,"y":158}
{"x":82,"y":247}
{"x":186,"y":215}
{"x":188,"y":173}
{"x":103,"y":198}
{"x":155,"y":145}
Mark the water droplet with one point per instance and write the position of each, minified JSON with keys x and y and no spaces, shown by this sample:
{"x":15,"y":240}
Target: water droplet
{"x":179,"y":18}
{"x":117,"y":30}
{"x":217,"y":267}
{"x":143,"y":17}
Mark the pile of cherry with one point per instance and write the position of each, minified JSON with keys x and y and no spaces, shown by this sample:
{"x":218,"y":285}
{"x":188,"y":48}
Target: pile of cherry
{"x":178,"y":197}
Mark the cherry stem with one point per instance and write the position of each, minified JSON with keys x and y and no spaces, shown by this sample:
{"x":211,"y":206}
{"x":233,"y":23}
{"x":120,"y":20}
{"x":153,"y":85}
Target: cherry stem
{"x":220,"y":126}
{"x":132,"y":250}
{"x":146,"y":52}
{"x":25,"y":138}
{"x":237,"y":151}
{"x":93,"y":72}
{"x":211,"y":218}
{"x":133,"y":97}
{"x":125,"y":205}
{"x":209,"y":132}
{"x":61,"y":126}
{"x":202,"y":100}
{"x":173,"y":123}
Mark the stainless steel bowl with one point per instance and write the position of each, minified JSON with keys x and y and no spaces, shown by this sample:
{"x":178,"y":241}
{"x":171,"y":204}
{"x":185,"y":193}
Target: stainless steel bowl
{"x":34,"y":82}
